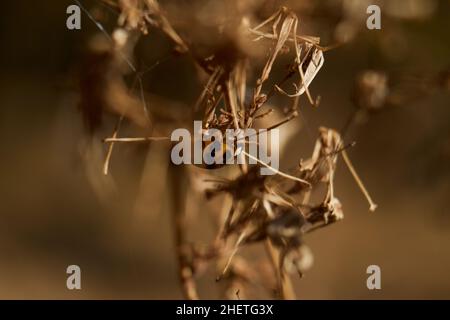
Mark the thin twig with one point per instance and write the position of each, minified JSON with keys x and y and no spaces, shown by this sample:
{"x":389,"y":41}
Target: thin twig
{"x":372,"y":205}
{"x":276,"y":171}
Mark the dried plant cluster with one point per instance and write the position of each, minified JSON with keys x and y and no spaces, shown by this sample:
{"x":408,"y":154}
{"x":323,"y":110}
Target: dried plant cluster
{"x":237,"y":56}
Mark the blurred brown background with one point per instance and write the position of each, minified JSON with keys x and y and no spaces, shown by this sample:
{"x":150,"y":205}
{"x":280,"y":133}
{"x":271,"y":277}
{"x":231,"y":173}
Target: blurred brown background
{"x":51,"y":216}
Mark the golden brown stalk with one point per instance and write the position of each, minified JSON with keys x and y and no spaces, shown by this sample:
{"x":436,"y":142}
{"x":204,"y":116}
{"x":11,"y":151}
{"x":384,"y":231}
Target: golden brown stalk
{"x":185,"y":269}
{"x":111,"y":147}
{"x":285,"y":288}
{"x":372,"y":205}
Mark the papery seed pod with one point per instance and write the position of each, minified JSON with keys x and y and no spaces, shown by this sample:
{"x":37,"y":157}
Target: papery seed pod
{"x":371,"y":90}
{"x":299,"y":259}
{"x":325,"y":213}
{"x":334,"y":212}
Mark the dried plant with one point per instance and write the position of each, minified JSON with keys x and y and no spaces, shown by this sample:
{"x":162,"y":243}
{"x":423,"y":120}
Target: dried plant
{"x":276,"y":211}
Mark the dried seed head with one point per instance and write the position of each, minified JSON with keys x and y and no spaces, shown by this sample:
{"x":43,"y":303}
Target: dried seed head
{"x":286,"y":228}
{"x":275,"y":209}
